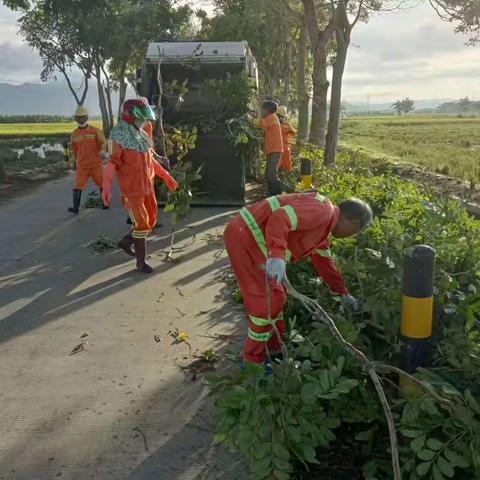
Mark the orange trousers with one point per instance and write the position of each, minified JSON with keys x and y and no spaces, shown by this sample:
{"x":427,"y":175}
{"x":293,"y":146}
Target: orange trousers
{"x":84,"y":172}
{"x":286,"y":159}
{"x":143,"y":213}
{"x":253,"y":284}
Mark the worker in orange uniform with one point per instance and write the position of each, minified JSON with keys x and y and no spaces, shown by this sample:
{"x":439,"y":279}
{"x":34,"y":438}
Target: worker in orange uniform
{"x":273,"y":146}
{"x":131,"y":159}
{"x":87,"y":144}
{"x":164,"y":162}
{"x":288,"y":134}
{"x":262,"y":238}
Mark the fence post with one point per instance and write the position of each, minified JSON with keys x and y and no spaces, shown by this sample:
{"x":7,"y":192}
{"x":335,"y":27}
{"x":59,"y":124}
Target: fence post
{"x":306,"y":174}
{"x":417,"y":309}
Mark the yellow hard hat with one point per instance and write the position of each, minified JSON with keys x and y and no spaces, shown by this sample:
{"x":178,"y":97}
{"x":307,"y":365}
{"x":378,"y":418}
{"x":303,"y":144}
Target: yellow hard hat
{"x":81,"y":111}
{"x":281,"y":111}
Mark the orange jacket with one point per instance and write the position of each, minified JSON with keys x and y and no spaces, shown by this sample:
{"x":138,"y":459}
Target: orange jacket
{"x":135,"y":171}
{"x":86,"y":144}
{"x":273,"y":133}
{"x":300,"y":223}
{"x":288,"y":133}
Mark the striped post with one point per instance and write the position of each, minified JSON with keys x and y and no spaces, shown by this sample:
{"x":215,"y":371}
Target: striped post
{"x":66,"y":153}
{"x":417,"y":309}
{"x":306,"y":174}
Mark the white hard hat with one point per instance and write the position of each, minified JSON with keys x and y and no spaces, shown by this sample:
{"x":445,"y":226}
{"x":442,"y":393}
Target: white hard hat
{"x":281,"y":111}
{"x":81,"y":111}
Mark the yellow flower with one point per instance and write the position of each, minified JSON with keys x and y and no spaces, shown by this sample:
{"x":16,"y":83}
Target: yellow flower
{"x":182,"y":337}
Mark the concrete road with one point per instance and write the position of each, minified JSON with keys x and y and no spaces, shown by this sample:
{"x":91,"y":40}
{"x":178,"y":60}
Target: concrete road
{"x":125,"y":407}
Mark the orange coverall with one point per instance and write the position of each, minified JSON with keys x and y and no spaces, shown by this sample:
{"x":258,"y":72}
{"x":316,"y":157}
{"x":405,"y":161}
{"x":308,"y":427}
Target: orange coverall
{"x":288,"y":133}
{"x":273,"y":134}
{"x":86,"y":146}
{"x":135,"y":174}
{"x":288,"y":226}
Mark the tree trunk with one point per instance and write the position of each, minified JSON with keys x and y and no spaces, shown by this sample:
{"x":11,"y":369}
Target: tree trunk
{"x":287,"y":77}
{"x":122,"y":93}
{"x":101,"y":101}
{"x":319,"y":100}
{"x":319,"y":40}
{"x":109,"y":105}
{"x":302,"y":94}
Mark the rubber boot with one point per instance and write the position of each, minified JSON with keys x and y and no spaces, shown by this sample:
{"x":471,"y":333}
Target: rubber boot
{"x":126,"y":244}
{"x":140,"y":245}
{"x":104,"y":207}
{"x":77,"y":197}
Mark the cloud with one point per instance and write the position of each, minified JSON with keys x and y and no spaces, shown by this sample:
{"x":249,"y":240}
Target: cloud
{"x":410,"y":53}
{"x":19,"y":63}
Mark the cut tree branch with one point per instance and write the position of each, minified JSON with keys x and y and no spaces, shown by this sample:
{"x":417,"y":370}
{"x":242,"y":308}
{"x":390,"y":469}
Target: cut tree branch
{"x":372,"y":369}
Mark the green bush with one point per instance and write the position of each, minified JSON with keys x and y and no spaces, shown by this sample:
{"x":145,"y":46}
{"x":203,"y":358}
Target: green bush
{"x":321,"y":399}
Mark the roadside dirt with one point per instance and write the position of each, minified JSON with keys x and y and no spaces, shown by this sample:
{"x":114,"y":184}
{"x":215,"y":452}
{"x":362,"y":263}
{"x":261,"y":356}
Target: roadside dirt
{"x":444,"y":185}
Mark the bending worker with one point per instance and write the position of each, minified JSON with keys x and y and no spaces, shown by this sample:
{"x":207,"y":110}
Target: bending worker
{"x":270,"y":233}
{"x":87,"y":143}
{"x":131,"y":158}
{"x":273,"y":145}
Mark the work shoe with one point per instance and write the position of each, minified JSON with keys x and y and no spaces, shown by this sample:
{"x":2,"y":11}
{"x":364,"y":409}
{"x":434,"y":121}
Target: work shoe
{"x":140,"y":245}
{"x":77,"y":197}
{"x":126,"y":244}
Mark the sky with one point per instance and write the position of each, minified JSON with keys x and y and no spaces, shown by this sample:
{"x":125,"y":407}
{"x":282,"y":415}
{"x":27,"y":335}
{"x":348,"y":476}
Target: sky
{"x":410,"y":53}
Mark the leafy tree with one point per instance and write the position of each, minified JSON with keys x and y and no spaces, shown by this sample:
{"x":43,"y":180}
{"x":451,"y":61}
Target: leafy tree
{"x":408,"y":105}
{"x":270,"y":27}
{"x":55,"y":39}
{"x":108,"y":47}
{"x":465,"y":13}
{"x":405,"y":106}
{"x":397,"y":106}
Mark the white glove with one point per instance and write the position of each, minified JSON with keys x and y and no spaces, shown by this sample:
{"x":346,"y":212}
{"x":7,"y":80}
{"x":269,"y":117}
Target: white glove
{"x":350,"y":303}
{"x":276,"y":269}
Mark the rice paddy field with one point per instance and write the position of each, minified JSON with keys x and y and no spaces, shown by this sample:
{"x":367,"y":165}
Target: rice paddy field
{"x":444,"y":144}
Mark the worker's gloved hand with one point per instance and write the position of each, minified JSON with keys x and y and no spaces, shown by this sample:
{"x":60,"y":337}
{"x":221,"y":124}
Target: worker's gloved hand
{"x":350,"y":304}
{"x":171,"y":183}
{"x":276,"y":269}
{"x":110,"y":171}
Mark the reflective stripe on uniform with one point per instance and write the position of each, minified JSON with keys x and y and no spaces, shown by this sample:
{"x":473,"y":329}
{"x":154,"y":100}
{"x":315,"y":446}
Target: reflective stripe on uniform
{"x":323,"y":252}
{"x":274,"y":203}
{"x":252,"y":224}
{"x":292,"y":216}
{"x":256,"y":231}
{"x":320,"y":198}
{"x":261,"y":322}
{"x":259,"y":337}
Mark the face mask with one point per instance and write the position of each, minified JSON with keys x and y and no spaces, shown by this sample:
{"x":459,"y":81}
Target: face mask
{"x":139,"y":123}
{"x":83,"y":125}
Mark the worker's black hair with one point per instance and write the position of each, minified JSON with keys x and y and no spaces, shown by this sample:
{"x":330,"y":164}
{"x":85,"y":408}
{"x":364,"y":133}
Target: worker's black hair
{"x":270,"y":105}
{"x":355,"y":209}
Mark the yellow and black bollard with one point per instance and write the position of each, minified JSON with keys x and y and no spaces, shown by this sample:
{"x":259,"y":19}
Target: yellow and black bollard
{"x":306,"y":174}
{"x":66,"y":153}
{"x":417,"y":309}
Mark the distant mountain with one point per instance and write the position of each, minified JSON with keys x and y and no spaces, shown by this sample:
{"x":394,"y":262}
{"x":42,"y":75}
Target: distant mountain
{"x":52,"y":98}
{"x":360,"y":107}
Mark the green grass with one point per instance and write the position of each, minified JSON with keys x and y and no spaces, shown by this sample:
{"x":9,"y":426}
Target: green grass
{"x":449,"y":145}
{"x":22,"y":130}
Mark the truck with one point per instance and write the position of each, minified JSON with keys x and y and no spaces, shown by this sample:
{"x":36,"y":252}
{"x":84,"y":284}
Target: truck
{"x":193,"y":65}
